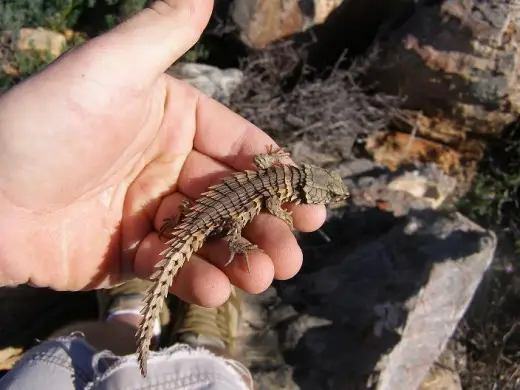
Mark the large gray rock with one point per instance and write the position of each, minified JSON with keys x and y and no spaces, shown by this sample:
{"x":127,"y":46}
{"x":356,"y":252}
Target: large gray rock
{"x":372,"y":308}
{"x":436,"y":310}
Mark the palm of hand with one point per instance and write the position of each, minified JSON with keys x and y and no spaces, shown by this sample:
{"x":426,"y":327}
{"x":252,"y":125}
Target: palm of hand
{"x":97,"y":163}
{"x":81,"y":178}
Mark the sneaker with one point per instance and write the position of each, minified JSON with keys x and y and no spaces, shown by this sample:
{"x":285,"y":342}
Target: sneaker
{"x":212,"y":328}
{"x":127,"y":297}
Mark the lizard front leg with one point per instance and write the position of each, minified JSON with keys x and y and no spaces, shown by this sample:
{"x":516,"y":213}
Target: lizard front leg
{"x":170,"y":223}
{"x":266,"y":160}
{"x":239,"y":245}
{"x":274,"y":206}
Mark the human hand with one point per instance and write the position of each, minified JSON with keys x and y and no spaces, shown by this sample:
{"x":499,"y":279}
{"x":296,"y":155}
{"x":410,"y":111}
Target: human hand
{"x":99,"y":148}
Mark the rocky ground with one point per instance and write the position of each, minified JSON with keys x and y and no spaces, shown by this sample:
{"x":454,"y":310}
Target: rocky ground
{"x":414,"y":283}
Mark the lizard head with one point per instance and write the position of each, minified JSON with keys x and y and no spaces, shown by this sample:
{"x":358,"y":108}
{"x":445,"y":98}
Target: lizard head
{"x":320,"y":186}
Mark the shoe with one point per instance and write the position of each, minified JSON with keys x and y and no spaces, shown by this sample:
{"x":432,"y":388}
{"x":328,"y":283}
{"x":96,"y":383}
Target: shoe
{"x":127,"y":297}
{"x":212,"y":328}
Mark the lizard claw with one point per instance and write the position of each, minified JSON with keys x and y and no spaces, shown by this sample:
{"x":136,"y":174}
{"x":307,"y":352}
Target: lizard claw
{"x":244,"y":249}
{"x":168,"y":223}
{"x":171,"y":222}
{"x":271,"y":158}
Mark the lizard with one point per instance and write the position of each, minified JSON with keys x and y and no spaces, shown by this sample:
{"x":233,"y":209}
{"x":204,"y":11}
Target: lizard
{"x":223,"y":211}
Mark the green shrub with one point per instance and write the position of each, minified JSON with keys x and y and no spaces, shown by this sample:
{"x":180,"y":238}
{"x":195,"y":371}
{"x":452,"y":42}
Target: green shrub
{"x":59,"y":15}
{"x":52,"y":14}
{"x":494,"y":199}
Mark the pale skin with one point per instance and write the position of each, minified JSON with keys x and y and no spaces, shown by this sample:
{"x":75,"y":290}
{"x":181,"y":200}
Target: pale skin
{"x":101,"y":147}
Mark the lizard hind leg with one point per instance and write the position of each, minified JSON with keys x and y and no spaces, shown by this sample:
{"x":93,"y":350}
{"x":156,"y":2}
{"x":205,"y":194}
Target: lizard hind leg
{"x":171,"y":222}
{"x":238,"y":245}
{"x":271,"y":158}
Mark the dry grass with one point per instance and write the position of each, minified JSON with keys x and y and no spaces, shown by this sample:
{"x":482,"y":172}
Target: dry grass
{"x":330,"y":111}
{"x":490,"y":332}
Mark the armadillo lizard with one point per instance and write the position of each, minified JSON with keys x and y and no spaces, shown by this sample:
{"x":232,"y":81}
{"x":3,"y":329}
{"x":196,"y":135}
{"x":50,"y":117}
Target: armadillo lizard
{"x":224,"y":210}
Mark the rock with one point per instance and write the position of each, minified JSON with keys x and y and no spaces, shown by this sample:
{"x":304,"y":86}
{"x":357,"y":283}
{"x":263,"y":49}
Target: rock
{"x":441,"y":303}
{"x":459,"y":60}
{"x":411,"y":188}
{"x":41,"y":40}
{"x":10,"y":70}
{"x":395,"y":149}
{"x":351,"y":29}
{"x":262,"y":22}
{"x":429,"y":184}
{"x":323,"y":8}
{"x":442,"y":130}
{"x":69,"y":34}
{"x":216,"y":83}
{"x":415,"y":185}
{"x":301,"y":152}
{"x":368,"y":308}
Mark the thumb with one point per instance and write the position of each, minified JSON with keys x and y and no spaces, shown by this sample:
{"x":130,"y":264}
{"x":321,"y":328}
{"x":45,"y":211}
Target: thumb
{"x":144,"y":46}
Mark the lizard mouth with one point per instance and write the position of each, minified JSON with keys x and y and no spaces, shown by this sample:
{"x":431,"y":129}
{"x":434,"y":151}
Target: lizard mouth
{"x":340,"y":198}
{"x":337,"y":203}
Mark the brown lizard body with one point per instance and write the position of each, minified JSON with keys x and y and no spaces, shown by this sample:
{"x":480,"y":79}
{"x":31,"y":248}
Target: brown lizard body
{"x":225,"y":209}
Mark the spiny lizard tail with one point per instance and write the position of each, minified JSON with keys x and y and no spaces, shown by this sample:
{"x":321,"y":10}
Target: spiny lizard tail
{"x":174,"y":257}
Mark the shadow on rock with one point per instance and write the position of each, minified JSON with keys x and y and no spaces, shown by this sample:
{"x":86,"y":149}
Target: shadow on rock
{"x":379,"y":300}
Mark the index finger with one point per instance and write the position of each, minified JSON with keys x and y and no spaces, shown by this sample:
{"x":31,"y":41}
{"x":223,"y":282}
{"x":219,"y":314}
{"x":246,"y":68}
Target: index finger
{"x":226,"y":136}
